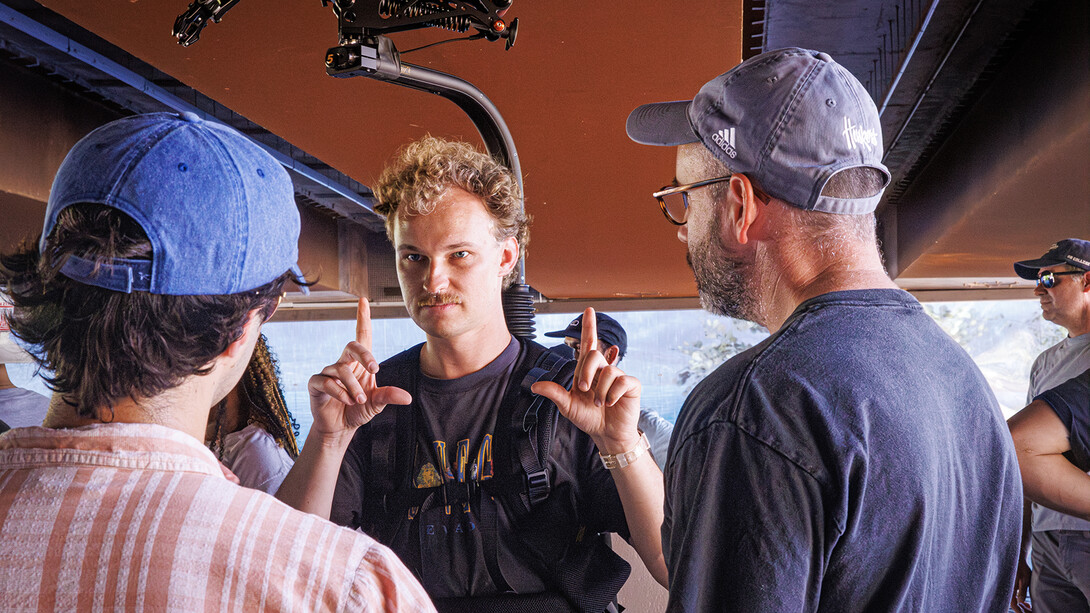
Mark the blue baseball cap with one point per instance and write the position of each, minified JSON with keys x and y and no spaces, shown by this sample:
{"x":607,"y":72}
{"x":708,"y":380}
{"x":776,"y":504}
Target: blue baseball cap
{"x":218,"y":209}
{"x":788,"y":119}
{"x":610,"y":331}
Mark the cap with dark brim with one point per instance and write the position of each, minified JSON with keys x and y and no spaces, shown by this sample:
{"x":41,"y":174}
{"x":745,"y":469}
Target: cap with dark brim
{"x":1028,"y":269}
{"x":665,"y":124}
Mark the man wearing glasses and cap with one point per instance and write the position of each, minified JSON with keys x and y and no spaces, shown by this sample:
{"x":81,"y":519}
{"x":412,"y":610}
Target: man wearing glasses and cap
{"x":856,"y":460}
{"x":1061,"y":545}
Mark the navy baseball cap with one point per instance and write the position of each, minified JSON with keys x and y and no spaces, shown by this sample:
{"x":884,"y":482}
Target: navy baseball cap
{"x":610,"y":331}
{"x":788,"y":119}
{"x":1073,"y":251}
{"x":218,"y":209}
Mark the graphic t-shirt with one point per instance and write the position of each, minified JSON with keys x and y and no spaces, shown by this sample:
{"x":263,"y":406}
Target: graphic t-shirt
{"x":455,"y":447}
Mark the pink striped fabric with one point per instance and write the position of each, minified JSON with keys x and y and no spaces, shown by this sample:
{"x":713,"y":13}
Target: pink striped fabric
{"x":139,"y":517}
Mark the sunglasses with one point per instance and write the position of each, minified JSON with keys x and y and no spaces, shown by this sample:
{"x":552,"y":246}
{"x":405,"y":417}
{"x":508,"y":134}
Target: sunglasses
{"x":1047,"y":279}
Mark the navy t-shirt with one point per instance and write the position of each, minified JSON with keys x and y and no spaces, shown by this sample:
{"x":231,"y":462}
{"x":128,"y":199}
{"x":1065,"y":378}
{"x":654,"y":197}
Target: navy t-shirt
{"x":1071,"y":403}
{"x":855,"y":460}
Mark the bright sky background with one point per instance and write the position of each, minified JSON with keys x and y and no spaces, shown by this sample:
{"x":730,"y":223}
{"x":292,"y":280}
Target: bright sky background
{"x":1003,"y":337}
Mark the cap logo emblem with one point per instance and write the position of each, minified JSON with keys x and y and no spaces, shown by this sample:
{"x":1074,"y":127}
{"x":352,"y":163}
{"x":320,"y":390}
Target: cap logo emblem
{"x":725,"y":139}
{"x":1072,"y":258}
{"x":858,"y":137}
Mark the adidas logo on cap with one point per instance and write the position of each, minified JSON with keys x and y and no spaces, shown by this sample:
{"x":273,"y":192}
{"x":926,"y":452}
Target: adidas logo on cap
{"x":725,"y":139}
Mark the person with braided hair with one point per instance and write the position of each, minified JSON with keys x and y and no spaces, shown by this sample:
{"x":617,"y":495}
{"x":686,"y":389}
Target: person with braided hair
{"x":251,"y":430}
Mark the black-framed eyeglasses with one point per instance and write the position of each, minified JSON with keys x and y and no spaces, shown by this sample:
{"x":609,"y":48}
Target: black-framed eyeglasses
{"x":674,"y":199}
{"x":1047,"y":279}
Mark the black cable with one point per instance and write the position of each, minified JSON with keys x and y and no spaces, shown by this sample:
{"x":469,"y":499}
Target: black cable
{"x":449,"y":40}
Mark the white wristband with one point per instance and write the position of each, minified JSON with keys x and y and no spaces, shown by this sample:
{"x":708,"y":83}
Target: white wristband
{"x":621,"y":460}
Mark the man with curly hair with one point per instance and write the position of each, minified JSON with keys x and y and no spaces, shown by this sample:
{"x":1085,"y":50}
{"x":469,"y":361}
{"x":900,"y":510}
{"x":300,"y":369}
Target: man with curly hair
{"x":443,"y":480}
{"x":167,"y":242}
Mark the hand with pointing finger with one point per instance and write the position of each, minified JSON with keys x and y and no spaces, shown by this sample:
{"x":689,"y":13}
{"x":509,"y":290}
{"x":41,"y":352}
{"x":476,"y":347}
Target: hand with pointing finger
{"x":603,"y":401}
{"x":345,"y":395}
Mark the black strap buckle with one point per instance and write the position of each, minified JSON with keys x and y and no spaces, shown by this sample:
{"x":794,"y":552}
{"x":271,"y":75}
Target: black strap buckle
{"x":537,"y":486}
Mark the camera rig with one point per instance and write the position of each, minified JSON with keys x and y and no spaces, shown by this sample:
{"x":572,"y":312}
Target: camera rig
{"x":363,"y":19}
{"x":364,"y":50}
{"x":358,"y":19}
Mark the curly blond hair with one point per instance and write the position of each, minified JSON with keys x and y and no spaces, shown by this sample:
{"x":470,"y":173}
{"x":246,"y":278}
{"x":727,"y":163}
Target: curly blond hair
{"x":425,"y":169}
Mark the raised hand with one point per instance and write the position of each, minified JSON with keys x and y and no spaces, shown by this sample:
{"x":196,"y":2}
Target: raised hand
{"x":344,"y":396}
{"x":603,"y":401}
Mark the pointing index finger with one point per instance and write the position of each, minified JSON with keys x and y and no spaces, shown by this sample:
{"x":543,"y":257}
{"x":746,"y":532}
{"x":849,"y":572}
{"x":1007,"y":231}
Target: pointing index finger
{"x":588,"y":339}
{"x":363,"y":323}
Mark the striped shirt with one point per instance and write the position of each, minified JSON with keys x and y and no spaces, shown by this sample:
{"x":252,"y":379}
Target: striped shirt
{"x":140,"y":517}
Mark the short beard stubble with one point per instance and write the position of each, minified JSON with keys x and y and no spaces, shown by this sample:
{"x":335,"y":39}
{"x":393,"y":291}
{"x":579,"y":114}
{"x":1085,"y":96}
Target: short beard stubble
{"x":722,"y":280}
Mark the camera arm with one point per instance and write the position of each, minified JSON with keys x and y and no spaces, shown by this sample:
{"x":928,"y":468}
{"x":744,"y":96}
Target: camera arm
{"x":377,"y":58}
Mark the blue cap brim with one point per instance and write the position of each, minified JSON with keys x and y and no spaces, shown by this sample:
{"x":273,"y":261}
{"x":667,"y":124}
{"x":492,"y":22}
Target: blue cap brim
{"x":665,"y":124}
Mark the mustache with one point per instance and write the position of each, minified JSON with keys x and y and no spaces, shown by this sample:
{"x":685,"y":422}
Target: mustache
{"x":439,"y":298}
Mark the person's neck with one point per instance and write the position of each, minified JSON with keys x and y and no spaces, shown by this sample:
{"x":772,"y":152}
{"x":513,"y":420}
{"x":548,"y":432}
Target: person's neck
{"x":795,"y":280}
{"x":1079,"y":327}
{"x":183,"y":408}
{"x":5,"y":381}
{"x":451,"y":358}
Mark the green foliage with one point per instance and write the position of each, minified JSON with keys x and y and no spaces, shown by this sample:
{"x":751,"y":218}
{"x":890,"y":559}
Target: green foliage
{"x":975,"y":329}
{"x":724,"y":338}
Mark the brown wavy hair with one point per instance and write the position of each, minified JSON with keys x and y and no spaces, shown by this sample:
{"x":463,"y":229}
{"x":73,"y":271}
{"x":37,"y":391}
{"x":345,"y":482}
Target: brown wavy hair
{"x":425,"y":169}
{"x":103,"y":346}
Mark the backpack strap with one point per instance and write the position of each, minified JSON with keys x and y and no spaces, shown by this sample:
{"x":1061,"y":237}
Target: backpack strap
{"x":392,"y":442}
{"x":533,"y":455}
{"x":524,"y":433}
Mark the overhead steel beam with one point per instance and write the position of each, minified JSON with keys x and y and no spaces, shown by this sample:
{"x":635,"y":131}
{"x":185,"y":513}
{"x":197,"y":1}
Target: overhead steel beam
{"x":309,"y":182}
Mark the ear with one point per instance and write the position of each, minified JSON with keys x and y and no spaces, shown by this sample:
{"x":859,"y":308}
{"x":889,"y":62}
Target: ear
{"x":741,"y":209}
{"x":509,"y":256}
{"x":249,"y":331}
{"x":612,"y":354}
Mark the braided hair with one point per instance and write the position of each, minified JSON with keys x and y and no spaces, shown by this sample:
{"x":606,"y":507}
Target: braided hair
{"x":261,"y":403}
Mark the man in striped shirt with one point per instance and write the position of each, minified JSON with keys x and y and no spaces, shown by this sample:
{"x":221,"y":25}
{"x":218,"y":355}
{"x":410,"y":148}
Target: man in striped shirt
{"x":166,"y":244}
